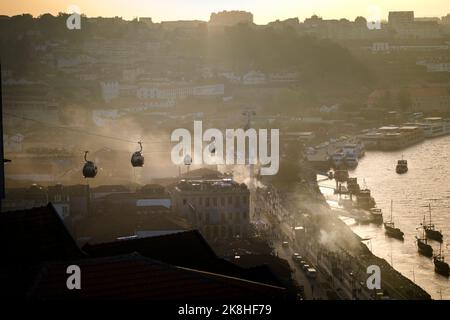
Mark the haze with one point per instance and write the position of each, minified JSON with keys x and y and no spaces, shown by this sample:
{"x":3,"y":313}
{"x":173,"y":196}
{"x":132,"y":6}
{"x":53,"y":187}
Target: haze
{"x":264,"y":10}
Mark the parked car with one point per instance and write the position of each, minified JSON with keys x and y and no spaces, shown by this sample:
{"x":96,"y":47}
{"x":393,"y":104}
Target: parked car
{"x":311,"y":273}
{"x":301,"y":263}
{"x":298,"y":260}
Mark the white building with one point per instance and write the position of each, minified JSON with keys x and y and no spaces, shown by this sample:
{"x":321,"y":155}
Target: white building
{"x":254,"y":78}
{"x":110,"y":90}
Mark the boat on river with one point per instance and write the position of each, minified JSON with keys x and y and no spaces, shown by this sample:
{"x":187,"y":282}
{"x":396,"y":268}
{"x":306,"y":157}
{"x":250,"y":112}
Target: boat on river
{"x":440,"y":266}
{"x":423,"y":247}
{"x":391,"y":230}
{"x":402,"y":166}
{"x":430,"y":230}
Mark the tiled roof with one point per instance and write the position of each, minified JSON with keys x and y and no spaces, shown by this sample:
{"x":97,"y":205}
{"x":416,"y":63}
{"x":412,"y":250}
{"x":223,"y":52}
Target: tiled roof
{"x":186,"y":249}
{"x":133,"y":277}
{"x":178,"y":249}
{"x":36,"y":234}
{"x":110,"y":188}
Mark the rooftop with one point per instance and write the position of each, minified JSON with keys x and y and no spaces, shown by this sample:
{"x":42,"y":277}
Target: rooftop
{"x":36,"y":234}
{"x":137,"y":278}
{"x":225,"y":184}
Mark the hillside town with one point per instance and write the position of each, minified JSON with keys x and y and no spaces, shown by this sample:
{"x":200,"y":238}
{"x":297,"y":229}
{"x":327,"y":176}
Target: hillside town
{"x":118,"y":88}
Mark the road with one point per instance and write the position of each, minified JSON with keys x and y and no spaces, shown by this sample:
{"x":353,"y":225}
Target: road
{"x":312,"y":288}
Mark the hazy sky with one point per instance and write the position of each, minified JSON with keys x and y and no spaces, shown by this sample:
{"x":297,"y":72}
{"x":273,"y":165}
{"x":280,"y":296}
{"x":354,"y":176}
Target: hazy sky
{"x":263,"y":10}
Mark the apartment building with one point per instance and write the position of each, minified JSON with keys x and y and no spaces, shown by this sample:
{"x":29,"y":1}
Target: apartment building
{"x":218,"y":208}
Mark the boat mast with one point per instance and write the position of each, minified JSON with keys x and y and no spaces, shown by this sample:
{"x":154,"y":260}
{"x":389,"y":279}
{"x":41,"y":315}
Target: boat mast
{"x":429,"y":208}
{"x":423,"y":231}
{"x":391,"y":209}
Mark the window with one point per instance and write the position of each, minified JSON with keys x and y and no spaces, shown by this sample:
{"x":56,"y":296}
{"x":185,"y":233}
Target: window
{"x":214,"y":201}
{"x":223,"y":233}
{"x":222,"y":201}
{"x":207,"y":202}
{"x":237,"y":202}
{"x":184,"y":201}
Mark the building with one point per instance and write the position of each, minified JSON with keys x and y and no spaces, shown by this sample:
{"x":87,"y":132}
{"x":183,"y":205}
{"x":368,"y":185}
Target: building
{"x":136,"y":278}
{"x":400,"y":17}
{"x":393,"y":138}
{"x":435,"y":66}
{"x":230,"y":18}
{"x":24,"y":198}
{"x":37,"y":250}
{"x":219,"y":208}
{"x":446,"y":19}
{"x":70,"y":201}
{"x":183,"y":25}
{"x":403,"y":25}
{"x":118,"y":212}
{"x":30,"y":100}
{"x":106,"y":190}
{"x":146,"y":20}
{"x":254,"y":78}
{"x":341,"y":29}
{"x":430,"y":99}
{"x":174,"y":92}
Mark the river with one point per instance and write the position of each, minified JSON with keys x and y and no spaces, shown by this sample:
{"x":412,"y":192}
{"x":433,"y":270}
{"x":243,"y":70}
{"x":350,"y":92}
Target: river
{"x":426,"y":182}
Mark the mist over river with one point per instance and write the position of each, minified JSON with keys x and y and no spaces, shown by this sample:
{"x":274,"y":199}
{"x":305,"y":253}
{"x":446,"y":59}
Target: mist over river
{"x":426,"y":182}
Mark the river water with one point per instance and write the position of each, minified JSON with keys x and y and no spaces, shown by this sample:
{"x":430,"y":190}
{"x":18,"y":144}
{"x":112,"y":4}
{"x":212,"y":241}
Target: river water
{"x":426,"y":182}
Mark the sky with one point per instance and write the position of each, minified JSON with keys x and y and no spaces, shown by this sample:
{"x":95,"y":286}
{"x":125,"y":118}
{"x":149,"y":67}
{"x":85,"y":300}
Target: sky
{"x":263,"y":10}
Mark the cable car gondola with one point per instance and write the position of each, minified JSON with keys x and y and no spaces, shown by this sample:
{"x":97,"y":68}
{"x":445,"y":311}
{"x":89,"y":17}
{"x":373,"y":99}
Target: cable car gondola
{"x":89,"y":168}
{"x":137,"y":159}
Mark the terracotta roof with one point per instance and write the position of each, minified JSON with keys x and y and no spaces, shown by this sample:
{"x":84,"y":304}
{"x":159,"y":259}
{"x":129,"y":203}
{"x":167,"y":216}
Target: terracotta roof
{"x":134,"y":277}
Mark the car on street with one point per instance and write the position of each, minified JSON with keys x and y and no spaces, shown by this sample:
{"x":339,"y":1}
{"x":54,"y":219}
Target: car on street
{"x":311,"y":273}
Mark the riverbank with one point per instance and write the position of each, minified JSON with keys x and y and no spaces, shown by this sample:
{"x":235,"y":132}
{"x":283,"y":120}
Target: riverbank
{"x":424,"y":184}
{"x":334,"y":234}
{"x":329,"y":238}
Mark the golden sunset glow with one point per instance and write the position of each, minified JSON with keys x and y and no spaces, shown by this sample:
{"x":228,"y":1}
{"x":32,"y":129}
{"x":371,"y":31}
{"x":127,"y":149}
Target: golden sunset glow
{"x":263,"y":10}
